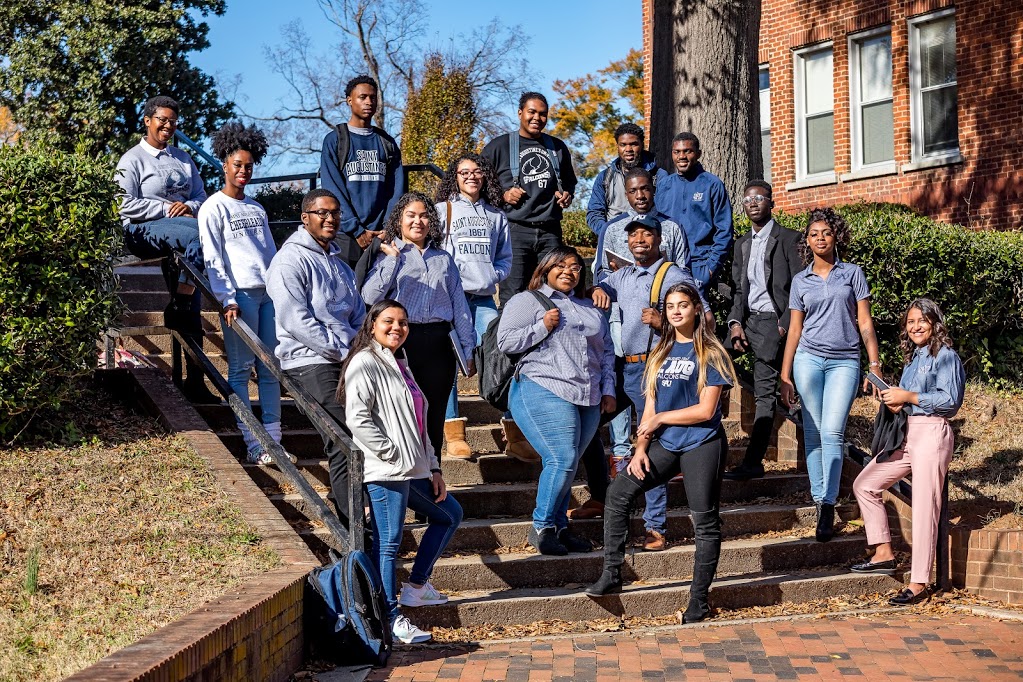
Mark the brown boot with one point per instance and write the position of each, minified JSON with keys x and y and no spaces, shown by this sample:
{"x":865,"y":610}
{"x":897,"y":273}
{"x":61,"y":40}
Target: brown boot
{"x":454,"y":437}
{"x":654,"y":541}
{"x":517,"y":445}
{"x":590,"y":509}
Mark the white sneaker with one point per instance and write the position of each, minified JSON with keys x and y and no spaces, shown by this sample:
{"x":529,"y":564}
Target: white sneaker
{"x":427,"y":595}
{"x":263,"y":458}
{"x":405,"y":631}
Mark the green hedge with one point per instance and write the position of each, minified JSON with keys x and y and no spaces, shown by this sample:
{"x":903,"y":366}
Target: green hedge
{"x":575,"y":231}
{"x":58,"y":229}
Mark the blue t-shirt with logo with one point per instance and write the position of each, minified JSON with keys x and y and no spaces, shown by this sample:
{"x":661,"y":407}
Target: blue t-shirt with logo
{"x":677,"y":381}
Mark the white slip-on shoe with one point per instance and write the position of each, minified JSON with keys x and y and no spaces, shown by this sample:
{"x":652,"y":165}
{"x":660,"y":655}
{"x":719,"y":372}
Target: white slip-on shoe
{"x":427,"y":595}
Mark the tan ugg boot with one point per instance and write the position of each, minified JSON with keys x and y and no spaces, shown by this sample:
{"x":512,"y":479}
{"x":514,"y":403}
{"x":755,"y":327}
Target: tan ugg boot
{"x":454,"y":437}
{"x":517,"y":445}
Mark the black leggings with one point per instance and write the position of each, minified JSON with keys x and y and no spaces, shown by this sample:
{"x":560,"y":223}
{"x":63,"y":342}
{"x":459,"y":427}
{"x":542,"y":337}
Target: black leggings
{"x":431,"y":360}
{"x":702,"y":469}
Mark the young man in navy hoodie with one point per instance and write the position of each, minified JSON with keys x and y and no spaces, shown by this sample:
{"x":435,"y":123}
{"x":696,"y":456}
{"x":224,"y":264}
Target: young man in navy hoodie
{"x":607,"y":198}
{"x":370,"y":179}
{"x":698,"y":201}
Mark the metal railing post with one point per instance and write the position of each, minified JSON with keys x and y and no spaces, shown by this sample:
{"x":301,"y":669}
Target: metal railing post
{"x":356,"y":505}
{"x":176,"y":364}
{"x":943,"y":569}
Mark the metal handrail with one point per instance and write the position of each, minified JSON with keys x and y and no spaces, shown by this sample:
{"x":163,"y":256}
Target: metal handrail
{"x":194,"y":146}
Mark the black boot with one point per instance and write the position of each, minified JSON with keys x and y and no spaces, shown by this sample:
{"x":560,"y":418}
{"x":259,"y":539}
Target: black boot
{"x":707,"y":528}
{"x":546,"y":541}
{"x":609,"y":582}
{"x":574,"y":542}
{"x":825,"y":521}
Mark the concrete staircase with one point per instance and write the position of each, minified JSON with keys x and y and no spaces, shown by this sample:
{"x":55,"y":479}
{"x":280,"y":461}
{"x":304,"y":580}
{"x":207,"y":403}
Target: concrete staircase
{"x":492,"y":576}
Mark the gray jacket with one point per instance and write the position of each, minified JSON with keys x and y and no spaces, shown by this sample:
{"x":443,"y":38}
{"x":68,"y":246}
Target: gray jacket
{"x":317,"y":304}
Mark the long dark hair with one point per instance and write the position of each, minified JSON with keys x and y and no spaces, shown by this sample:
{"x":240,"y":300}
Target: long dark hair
{"x":490,"y":191}
{"x":392,"y":230}
{"x":364,"y":338}
{"x":939,"y":332}
{"x":553,"y":257}
{"x":837,"y":224}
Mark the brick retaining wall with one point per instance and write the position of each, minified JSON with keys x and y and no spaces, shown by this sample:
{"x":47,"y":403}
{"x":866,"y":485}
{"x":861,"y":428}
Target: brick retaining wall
{"x":989,"y":563}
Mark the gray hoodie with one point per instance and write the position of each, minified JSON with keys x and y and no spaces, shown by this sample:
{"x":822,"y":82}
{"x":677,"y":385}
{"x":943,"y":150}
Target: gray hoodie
{"x":318,"y":306}
{"x":479,"y":242}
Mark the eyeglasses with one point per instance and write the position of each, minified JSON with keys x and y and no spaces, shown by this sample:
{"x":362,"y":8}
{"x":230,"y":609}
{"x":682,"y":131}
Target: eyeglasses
{"x":755,"y":199}
{"x":470,"y":173}
{"x":163,"y":120}
{"x":323,"y":213}
{"x":574,"y":269}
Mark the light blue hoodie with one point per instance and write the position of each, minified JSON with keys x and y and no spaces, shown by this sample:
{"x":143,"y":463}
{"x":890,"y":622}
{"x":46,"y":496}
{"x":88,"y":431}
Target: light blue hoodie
{"x":318,"y":306}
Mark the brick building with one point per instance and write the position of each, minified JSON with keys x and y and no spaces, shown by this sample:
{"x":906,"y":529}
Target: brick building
{"x":913,"y":101}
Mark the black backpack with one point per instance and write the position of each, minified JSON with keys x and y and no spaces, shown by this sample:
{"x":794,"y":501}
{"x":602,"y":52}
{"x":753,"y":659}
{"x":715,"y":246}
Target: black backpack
{"x":344,"y":143}
{"x":497,"y":368}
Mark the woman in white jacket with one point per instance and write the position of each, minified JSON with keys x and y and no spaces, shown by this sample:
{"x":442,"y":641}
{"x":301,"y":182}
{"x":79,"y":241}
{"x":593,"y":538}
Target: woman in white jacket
{"x":386,"y":412}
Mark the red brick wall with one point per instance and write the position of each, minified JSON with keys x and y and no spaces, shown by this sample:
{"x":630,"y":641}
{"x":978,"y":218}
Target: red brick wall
{"x":989,"y":56}
{"x":989,"y":563}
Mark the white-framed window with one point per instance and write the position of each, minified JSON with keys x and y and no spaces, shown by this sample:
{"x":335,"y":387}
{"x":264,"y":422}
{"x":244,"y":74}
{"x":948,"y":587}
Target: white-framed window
{"x":870,"y":101}
{"x":932,"y":85}
{"x":765,"y":120}
{"x":815,"y":112}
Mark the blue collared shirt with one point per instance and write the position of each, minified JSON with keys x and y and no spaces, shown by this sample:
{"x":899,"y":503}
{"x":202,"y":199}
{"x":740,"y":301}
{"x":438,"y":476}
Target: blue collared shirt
{"x":630,"y":288}
{"x":829,"y":305}
{"x":939,"y":382}
{"x":614,"y":238}
{"x":575,"y":361}
{"x":427,"y":283}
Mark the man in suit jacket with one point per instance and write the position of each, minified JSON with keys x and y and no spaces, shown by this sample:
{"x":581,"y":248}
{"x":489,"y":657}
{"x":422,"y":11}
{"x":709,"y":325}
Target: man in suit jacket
{"x":764,"y":262}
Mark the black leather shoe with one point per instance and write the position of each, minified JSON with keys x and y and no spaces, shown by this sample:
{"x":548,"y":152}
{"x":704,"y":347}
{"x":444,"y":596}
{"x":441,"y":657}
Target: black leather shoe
{"x":825,"y":522}
{"x":907,"y":598}
{"x":610,"y":582}
{"x":573,"y":542}
{"x":546,"y":542}
{"x":881,"y":567}
{"x":745,"y":472}
{"x":692,"y":615}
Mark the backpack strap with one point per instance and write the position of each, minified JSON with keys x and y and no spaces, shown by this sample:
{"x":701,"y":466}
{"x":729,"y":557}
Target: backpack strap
{"x":447,"y":236}
{"x":552,"y":154}
{"x":513,"y":156}
{"x":655,"y":296}
{"x":390,"y":147}
{"x":344,"y":143}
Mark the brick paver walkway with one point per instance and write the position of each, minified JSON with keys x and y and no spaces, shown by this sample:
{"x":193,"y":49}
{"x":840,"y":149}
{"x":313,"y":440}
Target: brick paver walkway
{"x":869,"y":648}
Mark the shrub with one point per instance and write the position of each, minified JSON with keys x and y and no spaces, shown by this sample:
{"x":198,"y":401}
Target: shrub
{"x":58,"y":229}
{"x":575,"y":231}
{"x":282,"y":203}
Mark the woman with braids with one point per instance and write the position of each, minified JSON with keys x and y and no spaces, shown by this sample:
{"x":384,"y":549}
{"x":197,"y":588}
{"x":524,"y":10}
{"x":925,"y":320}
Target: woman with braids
{"x":385,"y":409}
{"x":476,"y":236}
{"x":561,"y":385}
{"x":237,"y":248}
{"x":680,"y":432}
{"x":929,"y":393}
{"x":830,"y":304}
{"x":414,"y":269}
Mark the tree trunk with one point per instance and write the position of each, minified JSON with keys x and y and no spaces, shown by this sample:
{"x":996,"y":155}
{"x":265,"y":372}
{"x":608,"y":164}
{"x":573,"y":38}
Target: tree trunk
{"x":705,"y":81}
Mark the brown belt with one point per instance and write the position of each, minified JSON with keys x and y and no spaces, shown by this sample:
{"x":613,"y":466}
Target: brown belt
{"x":632,"y":359}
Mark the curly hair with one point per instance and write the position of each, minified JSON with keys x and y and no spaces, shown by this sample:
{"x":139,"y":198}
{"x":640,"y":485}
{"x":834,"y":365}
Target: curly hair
{"x":939,"y":332}
{"x":491,"y":190}
{"x":837,"y":224}
{"x":555,"y":256}
{"x":630,"y":129}
{"x":159,"y":102}
{"x":234,"y":136}
{"x":528,"y":95}
{"x":360,"y":80}
{"x":392,"y":230}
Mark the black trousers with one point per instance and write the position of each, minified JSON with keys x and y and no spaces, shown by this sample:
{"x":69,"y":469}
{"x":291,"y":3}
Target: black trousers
{"x":529,"y":244}
{"x":702,"y":469}
{"x":594,"y":458}
{"x":766,"y":343}
{"x":350,"y":249}
{"x":432,"y":362}
{"x":320,"y":381}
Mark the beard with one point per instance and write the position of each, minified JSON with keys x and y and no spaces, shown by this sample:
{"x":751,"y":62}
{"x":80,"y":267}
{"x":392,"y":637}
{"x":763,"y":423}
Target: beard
{"x":629,"y":165}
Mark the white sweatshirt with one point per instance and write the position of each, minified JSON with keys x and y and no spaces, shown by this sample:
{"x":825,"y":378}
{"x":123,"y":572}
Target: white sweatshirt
{"x":236,"y":245}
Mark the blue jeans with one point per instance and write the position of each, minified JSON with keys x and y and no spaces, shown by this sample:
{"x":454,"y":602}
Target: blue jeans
{"x":824,"y":419}
{"x":559,"y":431}
{"x":387,"y":503}
{"x":483,"y":311}
{"x":655,"y":514}
{"x":158,"y":238}
{"x":621,"y":426}
{"x":257,"y":310}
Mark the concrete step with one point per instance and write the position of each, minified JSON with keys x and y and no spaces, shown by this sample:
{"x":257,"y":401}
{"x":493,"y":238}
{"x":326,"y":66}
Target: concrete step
{"x":738,"y":557}
{"x":154,"y":318}
{"x":141,"y":277}
{"x":152,"y":301}
{"x":530,"y":605}
{"x":160,"y":344}
{"x":489,"y":535}
{"x":512,"y":500}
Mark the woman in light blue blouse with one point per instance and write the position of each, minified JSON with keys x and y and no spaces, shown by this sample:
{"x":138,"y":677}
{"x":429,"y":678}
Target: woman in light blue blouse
{"x":563,"y":382}
{"x":930,"y":393}
{"x":830,"y":304}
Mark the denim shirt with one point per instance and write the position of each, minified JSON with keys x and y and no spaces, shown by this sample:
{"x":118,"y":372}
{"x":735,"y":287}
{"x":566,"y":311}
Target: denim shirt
{"x":575,"y":361}
{"x":939,"y":382}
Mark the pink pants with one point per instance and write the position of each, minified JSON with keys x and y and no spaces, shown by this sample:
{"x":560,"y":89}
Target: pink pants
{"x":926,"y":455}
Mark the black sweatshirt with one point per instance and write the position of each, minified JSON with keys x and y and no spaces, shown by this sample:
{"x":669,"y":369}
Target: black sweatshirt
{"x":536,"y":177}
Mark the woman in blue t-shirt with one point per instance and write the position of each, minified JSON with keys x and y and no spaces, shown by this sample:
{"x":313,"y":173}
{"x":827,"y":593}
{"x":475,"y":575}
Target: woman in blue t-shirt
{"x":680,"y":431}
{"x":830,"y":304}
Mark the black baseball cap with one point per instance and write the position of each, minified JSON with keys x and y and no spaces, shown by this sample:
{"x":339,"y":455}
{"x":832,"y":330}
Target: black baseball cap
{"x":648,"y":221}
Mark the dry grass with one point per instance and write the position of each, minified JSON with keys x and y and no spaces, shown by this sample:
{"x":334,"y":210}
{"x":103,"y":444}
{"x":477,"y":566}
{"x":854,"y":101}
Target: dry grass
{"x":130,"y":530}
{"x":986,"y":475}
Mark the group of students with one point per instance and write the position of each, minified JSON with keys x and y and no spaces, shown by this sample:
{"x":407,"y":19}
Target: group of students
{"x":369,"y":302}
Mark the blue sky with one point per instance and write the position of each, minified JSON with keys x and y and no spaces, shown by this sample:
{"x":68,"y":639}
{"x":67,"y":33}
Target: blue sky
{"x":568,"y":38}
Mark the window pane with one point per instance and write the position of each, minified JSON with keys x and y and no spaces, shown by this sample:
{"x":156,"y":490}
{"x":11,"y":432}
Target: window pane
{"x":765,"y":79}
{"x":820,"y":144}
{"x":765,"y":150}
{"x":938,"y":52}
{"x":818,"y":82}
{"x":941,"y":120}
{"x":876,"y":68}
{"x":878,"y":133}
{"x":765,"y":109}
